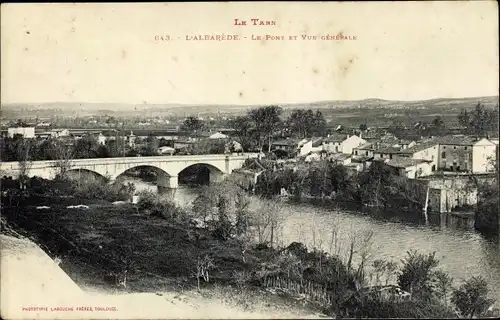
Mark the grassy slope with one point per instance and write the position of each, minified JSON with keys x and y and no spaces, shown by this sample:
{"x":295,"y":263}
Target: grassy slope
{"x":163,"y":256}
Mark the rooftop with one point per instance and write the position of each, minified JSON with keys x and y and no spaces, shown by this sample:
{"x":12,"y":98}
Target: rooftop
{"x":286,"y":142}
{"x":404,"y":162}
{"x":339,"y":156}
{"x":457,"y":140}
{"x":421,"y":146}
{"x":388,"y":150}
{"x":337,"y":137}
{"x":366,"y":146}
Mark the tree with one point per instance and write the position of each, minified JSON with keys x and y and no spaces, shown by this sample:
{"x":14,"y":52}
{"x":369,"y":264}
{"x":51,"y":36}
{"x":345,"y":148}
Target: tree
{"x":86,"y":147}
{"x":418,"y":273}
{"x":24,"y":156}
{"x":479,"y":122}
{"x":442,"y":285}
{"x":438,"y":122}
{"x":244,"y":130}
{"x":193,"y":124}
{"x":363,"y":127}
{"x":305,"y":123}
{"x":267,"y":121}
{"x":319,"y":124}
{"x":375,"y":184}
{"x":151,"y":147}
{"x":63,"y":154}
{"x":471,"y":298}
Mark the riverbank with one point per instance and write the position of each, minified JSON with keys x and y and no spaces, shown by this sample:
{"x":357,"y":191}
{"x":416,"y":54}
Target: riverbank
{"x":93,"y":245}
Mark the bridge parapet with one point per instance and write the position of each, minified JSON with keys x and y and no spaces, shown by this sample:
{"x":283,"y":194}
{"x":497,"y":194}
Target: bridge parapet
{"x":169,"y":165}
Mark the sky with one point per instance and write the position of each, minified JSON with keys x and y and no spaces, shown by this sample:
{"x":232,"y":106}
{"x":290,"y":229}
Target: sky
{"x":108,"y":52}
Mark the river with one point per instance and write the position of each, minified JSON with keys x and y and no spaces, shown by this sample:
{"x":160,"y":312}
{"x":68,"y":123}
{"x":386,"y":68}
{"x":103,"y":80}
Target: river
{"x":461,"y":251}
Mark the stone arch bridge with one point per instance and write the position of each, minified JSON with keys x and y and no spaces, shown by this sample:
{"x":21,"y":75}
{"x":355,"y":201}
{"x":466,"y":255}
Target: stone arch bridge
{"x":167,"y":167}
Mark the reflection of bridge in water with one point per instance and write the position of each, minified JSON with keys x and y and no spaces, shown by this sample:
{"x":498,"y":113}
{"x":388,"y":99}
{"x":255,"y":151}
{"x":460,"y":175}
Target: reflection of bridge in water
{"x":167,"y":168}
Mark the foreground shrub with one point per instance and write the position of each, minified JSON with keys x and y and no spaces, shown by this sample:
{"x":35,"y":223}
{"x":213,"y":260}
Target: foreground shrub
{"x":161,"y":207}
{"x":471,"y":298}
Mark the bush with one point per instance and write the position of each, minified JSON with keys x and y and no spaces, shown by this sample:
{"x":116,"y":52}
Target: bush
{"x":95,"y":189}
{"x":471,"y":298}
{"x":160,"y":207}
{"x":417,"y":274}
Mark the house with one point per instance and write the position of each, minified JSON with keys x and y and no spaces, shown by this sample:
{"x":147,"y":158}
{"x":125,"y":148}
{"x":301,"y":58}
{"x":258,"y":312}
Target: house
{"x":386,"y":153}
{"x":218,"y":135}
{"x":317,"y":145}
{"x":130,"y":139}
{"x":234,"y":146}
{"x":26,"y":132}
{"x":364,"y":151}
{"x":305,"y":147}
{"x":101,"y":139}
{"x":464,"y":153}
{"x":293,"y":147}
{"x":339,"y":158}
{"x":428,"y":150}
{"x":404,"y":144}
{"x":342,"y":143}
{"x":210,"y":135}
{"x":247,"y":176}
{"x":288,"y":146}
{"x":183,"y":143}
{"x":313,"y":156}
{"x":410,"y":168}
{"x":58,"y":133}
{"x":166,"y":150}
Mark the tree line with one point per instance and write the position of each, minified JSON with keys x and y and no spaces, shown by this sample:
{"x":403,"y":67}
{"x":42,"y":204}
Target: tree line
{"x":377,"y":186}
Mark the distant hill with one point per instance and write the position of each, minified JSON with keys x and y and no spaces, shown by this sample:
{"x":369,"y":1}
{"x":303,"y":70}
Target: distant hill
{"x":142,"y":110}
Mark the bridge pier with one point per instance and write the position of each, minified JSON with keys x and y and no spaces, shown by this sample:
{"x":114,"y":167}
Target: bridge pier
{"x":167,"y":182}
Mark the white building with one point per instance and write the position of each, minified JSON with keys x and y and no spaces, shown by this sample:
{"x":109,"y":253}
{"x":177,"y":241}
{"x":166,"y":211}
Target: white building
{"x":463,"y":153}
{"x":57,"y":133}
{"x":305,"y":147}
{"x":342,"y":143}
{"x":410,"y":168}
{"x":166,"y":150}
{"x":26,"y":132}
{"x":428,"y":151}
{"x":218,"y":135}
{"x":101,"y":139}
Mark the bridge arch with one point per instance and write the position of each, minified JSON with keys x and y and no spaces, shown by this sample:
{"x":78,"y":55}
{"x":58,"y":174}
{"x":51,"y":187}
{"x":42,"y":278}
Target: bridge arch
{"x":163,"y":178}
{"x":207,"y":173}
{"x":80,"y":174}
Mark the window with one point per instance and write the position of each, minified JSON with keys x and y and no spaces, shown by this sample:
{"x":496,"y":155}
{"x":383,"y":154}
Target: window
{"x":454,"y":147}
{"x":336,"y":149}
{"x":444,"y":147}
{"x":366,"y":153}
{"x":390,"y":156}
{"x":458,"y":168}
{"x":451,"y":168}
{"x":356,"y":152}
{"x":433,"y":167}
{"x":465,"y":148}
{"x":443,"y":155}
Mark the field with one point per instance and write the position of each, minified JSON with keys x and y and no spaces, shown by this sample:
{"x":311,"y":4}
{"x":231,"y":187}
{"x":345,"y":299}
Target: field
{"x":343,"y":112}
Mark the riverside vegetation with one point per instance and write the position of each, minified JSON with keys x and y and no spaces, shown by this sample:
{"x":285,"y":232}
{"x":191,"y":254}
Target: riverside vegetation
{"x":376,"y":186}
{"x":227,"y":238}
